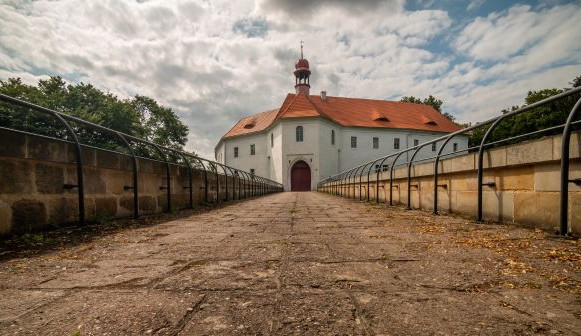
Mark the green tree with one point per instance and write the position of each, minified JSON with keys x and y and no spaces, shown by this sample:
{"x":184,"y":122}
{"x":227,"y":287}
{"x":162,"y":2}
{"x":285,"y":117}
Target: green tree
{"x":139,"y":116}
{"x":545,"y":116}
{"x":430,"y":100}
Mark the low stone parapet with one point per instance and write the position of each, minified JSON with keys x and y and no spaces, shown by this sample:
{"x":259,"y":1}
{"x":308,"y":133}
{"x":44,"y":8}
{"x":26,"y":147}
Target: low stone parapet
{"x":522,"y":184}
{"x":34,"y":172}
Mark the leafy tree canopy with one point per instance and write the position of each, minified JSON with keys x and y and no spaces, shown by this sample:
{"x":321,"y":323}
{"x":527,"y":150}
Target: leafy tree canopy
{"x":545,"y":116}
{"x":138,"y":116}
{"x":430,"y":100}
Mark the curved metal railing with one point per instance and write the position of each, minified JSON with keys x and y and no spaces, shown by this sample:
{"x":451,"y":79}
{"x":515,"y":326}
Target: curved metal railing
{"x":340,"y":184}
{"x":257,"y":185}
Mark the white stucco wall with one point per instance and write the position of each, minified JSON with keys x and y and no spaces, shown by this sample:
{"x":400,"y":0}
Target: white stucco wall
{"x":307,"y":150}
{"x":325,"y":159}
{"x":259,"y":162}
{"x":351,"y":157}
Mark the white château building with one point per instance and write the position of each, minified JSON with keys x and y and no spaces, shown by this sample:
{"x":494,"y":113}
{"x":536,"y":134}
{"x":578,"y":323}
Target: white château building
{"x":310,"y":137}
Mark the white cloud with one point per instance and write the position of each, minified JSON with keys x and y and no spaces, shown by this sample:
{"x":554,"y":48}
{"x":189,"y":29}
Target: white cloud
{"x":503,"y":35}
{"x":475,"y":4}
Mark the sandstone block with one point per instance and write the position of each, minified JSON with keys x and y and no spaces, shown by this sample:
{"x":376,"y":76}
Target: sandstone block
{"x":49,"y":178}
{"x":513,"y":178}
{"x":15,"y":177}
{"x":105,"y":159}
{"x":13,"y":144}
{"x":493,"y":158}
{"x":106,"y":206}
{"x":126,"y":203}
{"x":87,"y":155}
{"x":575,"y":213}
{"x":43,"y":150}
{"x":530,"y":152}
{"x":63,"y":210}
{"x":5,"y":218}
{"x":147,"y":204}
{"x":574,"y":146}
{"x":117,"y":180}
{"x":28,"y":215}
{"x":537,"y":209}
{"x":94,"y":179}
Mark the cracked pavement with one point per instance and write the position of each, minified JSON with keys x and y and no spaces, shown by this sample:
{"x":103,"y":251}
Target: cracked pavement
{"x":299,"y":264}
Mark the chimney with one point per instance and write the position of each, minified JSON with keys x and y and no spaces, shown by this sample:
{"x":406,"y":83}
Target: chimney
{"x":323,"y":95}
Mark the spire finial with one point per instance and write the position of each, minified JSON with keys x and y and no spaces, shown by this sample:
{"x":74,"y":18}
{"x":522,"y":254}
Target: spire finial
{"x":301,"y":48}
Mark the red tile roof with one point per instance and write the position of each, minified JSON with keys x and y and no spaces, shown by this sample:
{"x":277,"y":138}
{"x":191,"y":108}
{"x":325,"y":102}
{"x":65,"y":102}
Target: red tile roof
{"x":252,"y":124}
{"x":354,"y":112}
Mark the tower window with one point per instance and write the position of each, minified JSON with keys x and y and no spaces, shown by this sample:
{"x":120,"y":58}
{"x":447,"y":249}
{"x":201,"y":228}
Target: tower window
{"x":271,"y":139}
{"x":396,"y":143}
{"x":353,"y":142}
{"x":235,"y":151}
{"x":416,"y":142}
{"x":299,"y":133}
{"x":375,"y":142}
{"x":252,"y":149}
{"x":332,"y":137}
{"x":455,"y":147}
{"x":434,"y":147}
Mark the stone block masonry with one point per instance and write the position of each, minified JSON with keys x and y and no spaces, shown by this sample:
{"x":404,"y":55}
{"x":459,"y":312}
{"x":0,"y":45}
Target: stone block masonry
{"x":525,"y":191}
{"x":34,"y":170}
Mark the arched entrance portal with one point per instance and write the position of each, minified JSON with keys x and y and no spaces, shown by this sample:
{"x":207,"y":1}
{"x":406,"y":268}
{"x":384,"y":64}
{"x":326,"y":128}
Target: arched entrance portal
{"x":301,"y":177}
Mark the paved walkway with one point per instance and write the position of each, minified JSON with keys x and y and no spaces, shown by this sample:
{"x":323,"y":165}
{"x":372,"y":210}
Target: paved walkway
{"x":299,"y":264}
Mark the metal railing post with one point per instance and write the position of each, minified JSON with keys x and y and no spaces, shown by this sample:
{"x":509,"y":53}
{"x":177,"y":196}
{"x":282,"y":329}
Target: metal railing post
{"x":135,"y":176}
{"x":564,"y":195}
{"x":368,"y":173}
{"x":377,"y":180}
{"x":190,"y":184}
{"x":436,"y":163}
{"x":410,"y":162}
{"x":167,"y":173}
{"x":391,"y":177}
{"x":480,"y":171}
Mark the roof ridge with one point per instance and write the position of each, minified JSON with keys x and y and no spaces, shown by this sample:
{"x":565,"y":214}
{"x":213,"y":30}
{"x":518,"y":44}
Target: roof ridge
{"x":316,"y":108}
{"x":281,"y":113}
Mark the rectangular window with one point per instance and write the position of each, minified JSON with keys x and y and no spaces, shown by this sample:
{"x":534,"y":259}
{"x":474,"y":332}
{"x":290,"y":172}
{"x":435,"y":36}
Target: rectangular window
{"x":235,"y":151}
{"x":251,"y":171}
{"x":353,"y":142}
{"x":375,"y":142}
{"x":396,"y":143}
{"x":271,"y":139}
{"x":332,"y":137}
{"x":434,"y":147}
{"x":299,"y":134}
{"x":383,"y":169}
{"x":416,"y":142}
{"x":455,"y":147}
{"x":252,"y":149}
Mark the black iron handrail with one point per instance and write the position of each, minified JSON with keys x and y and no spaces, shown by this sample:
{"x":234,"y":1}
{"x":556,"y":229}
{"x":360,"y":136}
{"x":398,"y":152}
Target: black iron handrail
{"x":336,"y":183}
{"x":267,"y":186}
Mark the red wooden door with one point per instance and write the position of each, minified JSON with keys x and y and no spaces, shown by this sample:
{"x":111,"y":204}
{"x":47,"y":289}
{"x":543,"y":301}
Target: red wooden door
{"x":300,"y":177}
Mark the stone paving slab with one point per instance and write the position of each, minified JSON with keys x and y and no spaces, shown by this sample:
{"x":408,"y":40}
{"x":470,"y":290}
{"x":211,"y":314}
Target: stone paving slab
{"x":300,"y":264}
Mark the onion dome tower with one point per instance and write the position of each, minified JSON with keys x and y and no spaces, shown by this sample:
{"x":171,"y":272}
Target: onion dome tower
{"x":302,"y":74}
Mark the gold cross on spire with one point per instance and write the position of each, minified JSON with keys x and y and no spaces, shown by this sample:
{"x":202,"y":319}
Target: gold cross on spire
{"x":301,"y":48}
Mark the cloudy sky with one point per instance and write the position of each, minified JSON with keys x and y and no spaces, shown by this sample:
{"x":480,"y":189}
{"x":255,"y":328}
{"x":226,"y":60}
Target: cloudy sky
{"x":216,"y":61}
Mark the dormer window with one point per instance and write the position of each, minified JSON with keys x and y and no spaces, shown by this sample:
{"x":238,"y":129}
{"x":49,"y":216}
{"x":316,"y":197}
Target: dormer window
{"x":378,"y":116}
{"x":250,"y":124}
{"x":428,"y":121}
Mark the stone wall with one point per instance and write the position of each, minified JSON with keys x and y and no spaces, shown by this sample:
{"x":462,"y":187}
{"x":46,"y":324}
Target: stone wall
{"x":526,"y":187}
{"x":34,"y":170}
